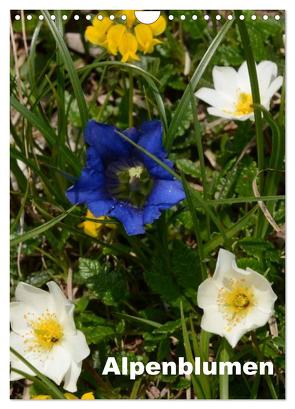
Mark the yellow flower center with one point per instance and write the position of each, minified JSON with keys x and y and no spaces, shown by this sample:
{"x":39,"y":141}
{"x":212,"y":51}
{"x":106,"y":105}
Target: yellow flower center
{"x":47,"y":331}
{"x":135,"y":171}
{"x":244,"y":105}
{"x":235,"y":301}
{"x":241,"y":301}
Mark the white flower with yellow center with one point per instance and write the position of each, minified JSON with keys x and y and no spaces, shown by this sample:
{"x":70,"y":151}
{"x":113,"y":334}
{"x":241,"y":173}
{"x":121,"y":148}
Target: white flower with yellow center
{"x":231,"y":97}
{"x":234,"y":300}
{"x":44,"y":333}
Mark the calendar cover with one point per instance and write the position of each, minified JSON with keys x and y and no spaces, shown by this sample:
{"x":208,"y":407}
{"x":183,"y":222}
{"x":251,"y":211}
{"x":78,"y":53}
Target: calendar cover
{"x":147,"y":204}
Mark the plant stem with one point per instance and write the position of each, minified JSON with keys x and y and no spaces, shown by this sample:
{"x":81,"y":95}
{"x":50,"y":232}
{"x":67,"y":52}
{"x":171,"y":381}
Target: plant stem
{"x":197,"y":127}
{"x":255,"y":92}
{"x":194,"y":216}
{"x":130,"y":101}
{"x":223,"y":379}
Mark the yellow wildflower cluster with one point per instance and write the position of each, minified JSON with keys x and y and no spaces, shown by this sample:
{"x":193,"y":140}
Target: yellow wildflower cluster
{"x":127,"y":37}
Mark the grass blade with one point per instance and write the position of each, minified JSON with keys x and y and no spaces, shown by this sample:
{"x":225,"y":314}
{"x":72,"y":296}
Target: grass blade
{"x":254,"y":89}
{"x":195,"y":224}
{"x":41,"y":229}
{"x":189,"y":356}
{"x":68,"y":62}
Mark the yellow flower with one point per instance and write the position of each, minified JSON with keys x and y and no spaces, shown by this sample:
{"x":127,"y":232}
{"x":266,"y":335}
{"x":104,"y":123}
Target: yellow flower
{"x":159,"y":26}
{"x":91,"y":228}
{"x":125,"y":36}
{"x":144,"y":37}
{"x":115,"y":37}
{"x":88,"y":396}
{"x":130,"y":17}
{"x":67,"y":395}
{"x":85,"y":396}
{"x":97,"y":33}
{"x":128,"y":47}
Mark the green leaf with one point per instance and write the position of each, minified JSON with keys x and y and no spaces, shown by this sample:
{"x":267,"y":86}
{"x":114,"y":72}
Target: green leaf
{"x":97,"y":334}
{"x":246,"y":175}
{"x":106,"y":284}
{"x":95,"y":328}
{"x":260,"y":248}
{"x":40,"y":278}
{"x":185,"y":124}
{"x":177,"y":276}
{"x":188,"y":167}
{"x":225,"y":180}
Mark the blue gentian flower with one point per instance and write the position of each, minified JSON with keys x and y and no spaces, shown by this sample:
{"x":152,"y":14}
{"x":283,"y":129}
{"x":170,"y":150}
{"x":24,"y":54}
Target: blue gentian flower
{"x":121,"y":181}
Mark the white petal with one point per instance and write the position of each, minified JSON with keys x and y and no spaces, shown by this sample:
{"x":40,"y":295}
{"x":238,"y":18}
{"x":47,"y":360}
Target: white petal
{"x":272,"y":89}
{"x":235,"y":334}
{"x":266,"y":72}
{"x":57,"y":364}
{"x":229,"y":115}
{"x":213,"y":321}
{"x":17,"y":343}
{"x":71,"y":377}
{"x":20,"y":315}
{"x":56,"y":293}
{"x":33,"y":296}
{"x":77,"y":346}
{"x":220,"y":113}
{"x":66,"y":318}
{"x":215,"y":98}
{"x":257,"y":318}
{"x":224,"y":266}
{"x":263,"y":293}
{"x":207,"y":293}
{"x":244,"y":79}
{"x":64,"y":308}
{"x":225,"y":80}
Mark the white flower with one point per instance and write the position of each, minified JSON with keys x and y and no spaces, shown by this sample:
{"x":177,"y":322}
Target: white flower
{"x":232,"y":97}
{"x":44,"y":333}
{"x":234,"y":300}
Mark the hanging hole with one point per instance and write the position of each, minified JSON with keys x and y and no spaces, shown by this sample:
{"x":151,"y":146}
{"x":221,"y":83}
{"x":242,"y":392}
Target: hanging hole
{"x":147,"y":17}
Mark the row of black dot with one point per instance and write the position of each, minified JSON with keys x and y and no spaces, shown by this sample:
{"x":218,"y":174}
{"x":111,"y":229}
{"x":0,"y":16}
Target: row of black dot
{"x":170,"y":17}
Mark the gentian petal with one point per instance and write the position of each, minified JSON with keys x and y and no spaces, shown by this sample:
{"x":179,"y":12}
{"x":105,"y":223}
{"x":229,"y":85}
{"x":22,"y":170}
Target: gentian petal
{"x":130,"y":217}
{"x":166,"y":192}
{"x":88,"y":188}
{"x":152,"y":213}
{"x":101,"y":207}
{"x":151,"y":140}
{"x":106,"y":142}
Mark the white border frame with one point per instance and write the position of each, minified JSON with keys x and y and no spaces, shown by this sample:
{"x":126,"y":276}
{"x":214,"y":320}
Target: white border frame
{"x":289,"y":6}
